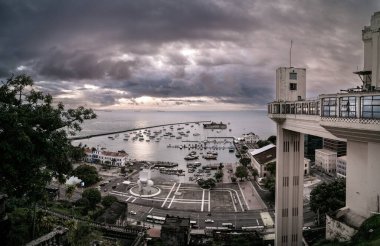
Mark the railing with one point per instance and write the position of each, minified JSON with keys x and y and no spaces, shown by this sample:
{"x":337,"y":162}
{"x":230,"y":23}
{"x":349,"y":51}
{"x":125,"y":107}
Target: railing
{"x":359,"y":107}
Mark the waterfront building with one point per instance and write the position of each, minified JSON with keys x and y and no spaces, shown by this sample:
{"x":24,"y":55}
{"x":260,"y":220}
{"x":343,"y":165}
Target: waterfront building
{"x":176,"y":231}
{"x":96,"y":155}
{"x":261,"y":157}
{"x":352,"y":116}
{"x":341,"y":166}
{"x":326,"y":160}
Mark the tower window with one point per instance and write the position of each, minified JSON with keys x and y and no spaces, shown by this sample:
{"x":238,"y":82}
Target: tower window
{"x":293,"y":76}
{"x":293,"y":86}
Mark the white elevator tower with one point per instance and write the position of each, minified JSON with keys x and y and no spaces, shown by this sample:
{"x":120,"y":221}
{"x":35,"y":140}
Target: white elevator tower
{"x":290,"y":86}
{"x":351,"y":115}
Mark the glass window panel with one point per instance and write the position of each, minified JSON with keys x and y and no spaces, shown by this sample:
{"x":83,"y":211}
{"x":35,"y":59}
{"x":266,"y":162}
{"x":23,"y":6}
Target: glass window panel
{"x":376,"y":102}
{"x":367,"y":108}
{"x":376,"y":115}
{"x":367,"y":114}
{"x":376,"y":109}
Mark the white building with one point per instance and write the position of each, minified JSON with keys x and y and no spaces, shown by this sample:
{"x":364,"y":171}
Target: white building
{"x":250,"y":137}
{"x":341,"y":166}
{"x":261,"y":157}
{"x":326,"y":160}
{"x":95,"y":155}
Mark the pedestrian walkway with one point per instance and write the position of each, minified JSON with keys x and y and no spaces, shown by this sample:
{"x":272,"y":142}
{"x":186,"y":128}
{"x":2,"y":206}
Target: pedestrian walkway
{"x":251,"y":198}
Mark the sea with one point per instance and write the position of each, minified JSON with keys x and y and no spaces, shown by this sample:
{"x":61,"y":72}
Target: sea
{"x":238,"y":123}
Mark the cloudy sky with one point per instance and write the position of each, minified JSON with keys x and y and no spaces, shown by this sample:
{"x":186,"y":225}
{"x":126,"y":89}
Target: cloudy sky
{"x":180,"y":54}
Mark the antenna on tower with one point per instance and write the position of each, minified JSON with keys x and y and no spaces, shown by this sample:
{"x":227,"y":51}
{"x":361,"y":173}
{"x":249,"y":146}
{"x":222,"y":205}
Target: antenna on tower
{"x":290,"y":53}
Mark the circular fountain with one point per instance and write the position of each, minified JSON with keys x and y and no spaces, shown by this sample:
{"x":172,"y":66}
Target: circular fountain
{"x":145,"y":186}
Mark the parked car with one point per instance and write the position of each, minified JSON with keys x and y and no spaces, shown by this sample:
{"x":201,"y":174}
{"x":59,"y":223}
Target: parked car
{"x":209,"y":221}
{"x":132,"y":212}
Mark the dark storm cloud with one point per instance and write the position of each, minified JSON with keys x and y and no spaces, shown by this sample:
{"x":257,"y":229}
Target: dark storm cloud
{"x":226,"y":50}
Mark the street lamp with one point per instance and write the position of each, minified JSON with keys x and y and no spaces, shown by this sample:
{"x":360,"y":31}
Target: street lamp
{"x":235,"y":221}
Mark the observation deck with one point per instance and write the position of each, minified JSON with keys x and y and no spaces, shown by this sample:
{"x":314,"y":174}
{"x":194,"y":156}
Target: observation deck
{"x":353,"y":115}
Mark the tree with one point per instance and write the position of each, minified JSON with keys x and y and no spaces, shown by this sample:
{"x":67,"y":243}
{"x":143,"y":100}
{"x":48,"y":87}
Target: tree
{"x":88,"y":174}
{"x":34,"y":137}
{"x":270,"y":184}
{"x":77,"y":153}
{"x":255,"y":173}
{"x":325,"y":198}
{"x":245,"y":161}
{"x":272,"y":139}
{"x":207,"y":184}
{"x":70,"y":191}
{"x":219,"y":175}
{"x":93,"y":195}
{"x":122,"y":170}
{"x":271,"y":167}
{"x":241,"y":172}
{"x":108,"y":200}
{"x":262,"y":143}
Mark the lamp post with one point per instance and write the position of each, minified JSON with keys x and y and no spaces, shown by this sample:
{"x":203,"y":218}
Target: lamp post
{"x":235,"y":221}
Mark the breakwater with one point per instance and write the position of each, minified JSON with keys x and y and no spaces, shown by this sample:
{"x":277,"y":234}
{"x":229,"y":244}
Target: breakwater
{"x":134,"y":129}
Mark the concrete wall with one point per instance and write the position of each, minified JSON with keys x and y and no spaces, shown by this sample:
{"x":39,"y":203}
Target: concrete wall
{"x":283,"y":81}
{"x":337,"y":230}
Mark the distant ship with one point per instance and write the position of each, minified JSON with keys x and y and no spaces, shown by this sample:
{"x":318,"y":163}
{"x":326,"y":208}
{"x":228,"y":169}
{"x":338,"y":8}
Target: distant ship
{"x":214,"y":125}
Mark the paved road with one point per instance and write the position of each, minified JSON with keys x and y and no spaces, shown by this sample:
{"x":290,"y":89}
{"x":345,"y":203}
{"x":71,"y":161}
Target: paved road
{"x":249,"y":218}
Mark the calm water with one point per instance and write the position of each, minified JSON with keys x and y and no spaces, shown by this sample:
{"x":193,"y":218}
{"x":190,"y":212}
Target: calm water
{"x":238,"y":121}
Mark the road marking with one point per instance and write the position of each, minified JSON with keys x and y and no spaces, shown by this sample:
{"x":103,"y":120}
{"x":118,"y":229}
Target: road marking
{"x":174,"y":195}
{"x":203,"y":200}
{"x":209,"y":200}
{"x":150,"y":210}
{"x":163,"y":204}
{"x":134,"y":200}
{"x":128,"y":198}
{"x":241,"y":191}
{"x":257,"y":221}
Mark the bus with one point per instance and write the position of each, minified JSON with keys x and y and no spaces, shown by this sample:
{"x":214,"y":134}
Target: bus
{"x":193,"y":224}
{"x":229,"y":225}
{"x":210,"y":230}
{"x":155,"y":219}
{"x":253,"y":228}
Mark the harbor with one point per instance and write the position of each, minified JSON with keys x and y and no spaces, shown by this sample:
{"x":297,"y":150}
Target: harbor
{"x":172,"y":150}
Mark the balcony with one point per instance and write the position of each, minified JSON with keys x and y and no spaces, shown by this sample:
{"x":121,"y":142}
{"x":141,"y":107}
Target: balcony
{"x":345,"y":115}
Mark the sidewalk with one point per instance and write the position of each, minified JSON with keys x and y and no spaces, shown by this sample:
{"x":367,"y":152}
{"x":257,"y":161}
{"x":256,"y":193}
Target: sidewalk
{"x":252,"y":198}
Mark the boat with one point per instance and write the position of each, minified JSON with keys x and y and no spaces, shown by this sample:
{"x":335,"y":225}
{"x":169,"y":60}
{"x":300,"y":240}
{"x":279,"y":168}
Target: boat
{"x":210,"y":157}
{"x":191,"y":157}
{"x":214,"y":125}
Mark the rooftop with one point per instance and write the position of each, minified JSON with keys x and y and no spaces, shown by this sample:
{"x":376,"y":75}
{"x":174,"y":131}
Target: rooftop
{"x":265,"y":148}
{"x":266,"y":155}
{"x":326,"y":151}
